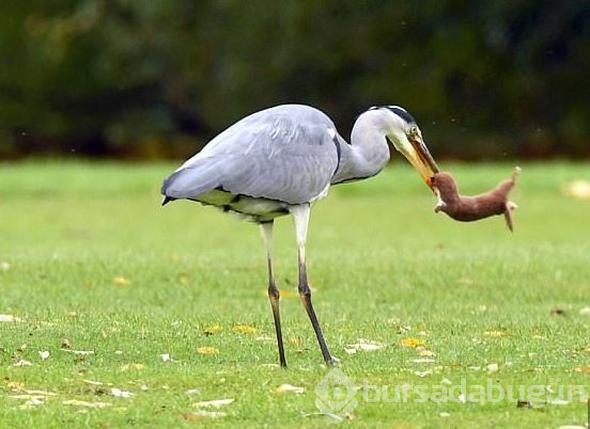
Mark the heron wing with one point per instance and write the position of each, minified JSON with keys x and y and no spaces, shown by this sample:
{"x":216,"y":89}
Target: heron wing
{"x":287,"y":153}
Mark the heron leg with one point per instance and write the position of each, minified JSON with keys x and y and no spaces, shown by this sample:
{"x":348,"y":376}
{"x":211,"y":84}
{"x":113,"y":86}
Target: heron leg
{"x":301,"y":220}
{"x":273,"y":291}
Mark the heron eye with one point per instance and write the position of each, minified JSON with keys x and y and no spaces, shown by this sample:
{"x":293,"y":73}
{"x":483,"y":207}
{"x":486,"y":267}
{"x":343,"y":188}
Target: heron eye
{"x":413,"y":131}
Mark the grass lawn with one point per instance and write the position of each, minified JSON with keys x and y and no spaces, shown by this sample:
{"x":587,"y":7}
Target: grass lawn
{"x":170,"y":304}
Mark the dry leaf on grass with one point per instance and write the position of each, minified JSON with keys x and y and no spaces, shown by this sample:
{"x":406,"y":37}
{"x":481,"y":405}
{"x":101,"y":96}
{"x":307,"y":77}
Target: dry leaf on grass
{"x":264,"y":338}
{"x":132,"y":366}
{"x":44,"y":354}
{"x":39,"y":392}
{"x":193,"y":392}
{"x":244,"y":329}
{"x":205,"y":350}
{"x":77,"y":403}
{"x":121,"y":281}
{"x":15,"y":385}
{"x":118,"y":393}
{"x":9,"y":318}
{"x":213,"y":403}
{"x":492,"y":367}
{"x":78,"y":352}
{"x":412,"y":342}
{"x":495,"y":334}
{"x":585,"y":369}
{"x":199,"y":414}
{"x":578,"y":189}
{"x":212,"y":329}
{"x":363,"y":345}
{"x":33,"y":402}
{"x":285,"y":388}
{"x":23,"y":362}
{"x":423,"y":351}
{"x":93,"y":382}
{"x":294,"y":340}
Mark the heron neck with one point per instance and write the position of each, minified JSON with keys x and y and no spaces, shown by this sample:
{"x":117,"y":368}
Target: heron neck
{"x":366,"y":156}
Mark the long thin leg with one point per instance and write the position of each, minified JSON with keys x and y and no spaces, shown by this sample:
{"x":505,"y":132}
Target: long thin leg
{"x":301,"y":220}
{"x":273,"y":291}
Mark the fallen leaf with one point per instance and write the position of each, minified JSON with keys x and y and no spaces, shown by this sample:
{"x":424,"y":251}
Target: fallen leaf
{"x":165,"y":357}
{"x":34,"y":402}
{"x":363,"y":345}
{"x":423,"y":351}
{"x":213,"y":403}
{"x":264,"y":338}
{"x":86,"y":404}
{"x":26,"y":396}
{"x":244,"y":329}
{"x":44,"y":354}
{"x":443,"y":414}
{"x":205,"y":350}
{"x":578,"y":189}
{"x":192,"y":392}
{"x":118,"y":393}
{"x":9,"y":318}
{"x":78,"y":352}
{"x":411,"y":342}
{"x":93,"y":382}
{"x":284,"y":388}
{"x":492,"y":367}
{"x":212,"y":329}
{"x":583,"y":369}
{"x":294,"y":341}
{"x":15,"y":385}
{"x":196,"y":415}
{"x":495,"y":333}
{"x":121,"y":281}
{"x":23,"y":362}
{"x":132,"y":366}
{"x":39,"y":392}
{"x":558,"y":402}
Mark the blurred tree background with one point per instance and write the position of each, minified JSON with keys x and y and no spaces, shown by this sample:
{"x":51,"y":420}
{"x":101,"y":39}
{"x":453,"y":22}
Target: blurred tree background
{"x":157,"y":79}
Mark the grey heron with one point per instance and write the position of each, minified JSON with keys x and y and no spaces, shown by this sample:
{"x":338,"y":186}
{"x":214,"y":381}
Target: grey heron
{"x":280,"y":160}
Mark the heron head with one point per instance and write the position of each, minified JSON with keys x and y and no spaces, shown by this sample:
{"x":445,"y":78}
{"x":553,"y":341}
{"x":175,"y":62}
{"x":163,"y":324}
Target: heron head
{"x":405,"y":136}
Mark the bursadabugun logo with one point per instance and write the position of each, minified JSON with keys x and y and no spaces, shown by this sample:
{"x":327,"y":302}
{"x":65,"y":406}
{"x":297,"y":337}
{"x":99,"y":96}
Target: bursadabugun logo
{"x":336,"y":395}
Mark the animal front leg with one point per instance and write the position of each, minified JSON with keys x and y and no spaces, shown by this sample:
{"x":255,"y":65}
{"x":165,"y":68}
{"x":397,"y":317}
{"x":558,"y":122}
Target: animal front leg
{"x":301,"y":219}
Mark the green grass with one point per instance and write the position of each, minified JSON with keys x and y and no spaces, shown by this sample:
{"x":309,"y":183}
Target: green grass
{"x":88,"y":255}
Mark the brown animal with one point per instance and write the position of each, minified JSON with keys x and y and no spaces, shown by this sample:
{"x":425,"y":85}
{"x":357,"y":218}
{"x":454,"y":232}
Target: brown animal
{"x":467,"y":209}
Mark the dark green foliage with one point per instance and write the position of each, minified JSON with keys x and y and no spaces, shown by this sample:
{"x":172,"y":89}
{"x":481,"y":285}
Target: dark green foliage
{"x":158,"y":78}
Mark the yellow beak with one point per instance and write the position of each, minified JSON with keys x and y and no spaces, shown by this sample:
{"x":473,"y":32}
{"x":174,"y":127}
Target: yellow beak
{"x":421,"y":159}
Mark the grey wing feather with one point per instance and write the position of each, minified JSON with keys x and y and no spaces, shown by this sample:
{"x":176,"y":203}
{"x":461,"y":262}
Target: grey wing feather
{"x":286,"y":153}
